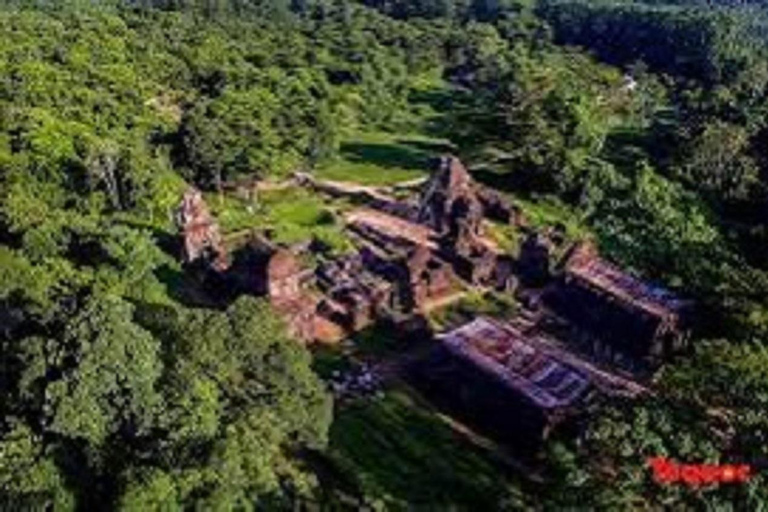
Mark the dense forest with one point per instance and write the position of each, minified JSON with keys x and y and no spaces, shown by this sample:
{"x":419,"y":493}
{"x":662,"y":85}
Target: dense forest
{"x":642,"y":125}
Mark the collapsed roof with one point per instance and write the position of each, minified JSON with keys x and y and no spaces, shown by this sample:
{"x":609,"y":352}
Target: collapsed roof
{"x":533,"y":367}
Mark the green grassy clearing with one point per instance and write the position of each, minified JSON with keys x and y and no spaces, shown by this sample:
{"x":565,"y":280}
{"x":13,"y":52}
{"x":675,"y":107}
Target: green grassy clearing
{"x":493,"y":304}
{"x":293,"y":215}
{"x":399,"y":454}
{"x":380,"y":158}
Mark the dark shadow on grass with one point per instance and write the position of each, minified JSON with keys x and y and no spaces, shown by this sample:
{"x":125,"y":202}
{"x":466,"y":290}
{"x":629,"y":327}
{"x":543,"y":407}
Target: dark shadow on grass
{"x":386,"y":155}
{"x":378,"y":340}
{"x":523,"y":183}
{"x":445,"y":103}
{"x":441,"y":100}
{"x":462,"y":392}
{"x":405,"y":452}
{"x":496,"y":180}
{"x":405,"y":153}
{"x":177,"y":284}
{"x":195,"y":287}
{"x":430,"y":148}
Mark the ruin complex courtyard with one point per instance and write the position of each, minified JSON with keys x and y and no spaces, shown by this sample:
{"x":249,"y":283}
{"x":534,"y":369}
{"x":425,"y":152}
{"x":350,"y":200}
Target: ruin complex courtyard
{"x":584,"y":327}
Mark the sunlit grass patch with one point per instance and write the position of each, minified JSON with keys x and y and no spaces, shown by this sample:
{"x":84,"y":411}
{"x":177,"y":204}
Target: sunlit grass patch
{"x":290,"y":216}
{"x":493,"y":304}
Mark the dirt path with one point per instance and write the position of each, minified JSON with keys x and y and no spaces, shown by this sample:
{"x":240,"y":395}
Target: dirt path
{"x":342,"y":188}
{"x":405,"y":185}
{"x":265,"y":186}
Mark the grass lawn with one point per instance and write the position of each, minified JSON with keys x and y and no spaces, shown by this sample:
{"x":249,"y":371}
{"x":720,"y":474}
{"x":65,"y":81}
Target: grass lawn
{"x":492,"y":304}
{"x":293,"y":215}
{"x":507,"y":237}
{"x":381,"y":158}
{"x":397,"y":155}
{"x":398,"y":453}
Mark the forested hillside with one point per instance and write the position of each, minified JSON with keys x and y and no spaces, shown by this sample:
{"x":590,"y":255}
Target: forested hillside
{"x":640,"y":125}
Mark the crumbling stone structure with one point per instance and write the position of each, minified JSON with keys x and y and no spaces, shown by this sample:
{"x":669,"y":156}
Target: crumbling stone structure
{"x":449,"y":204}
{"x":428,"y":277}
{"x":380,"y":282}
{"x":628,"y":318}
{"x":410,"y":256}
{"x":354,"y":296}
{"x":497,"y":207}
{"x":517,"y":386}
{"x":448,"y":228}
{"x":284,"y":276}
{"x":262,"y":268}
{"x":535,"y":259}
{"x":200,"y":232}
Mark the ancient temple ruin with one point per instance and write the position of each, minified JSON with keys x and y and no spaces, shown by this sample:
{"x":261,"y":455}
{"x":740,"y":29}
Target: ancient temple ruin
{"x":518,"y":386}
{"x":200,"y":232}
{"x":353,"y":297}
{"x":263,"y":268}
{"x":410,"y":258}
{"x":412,"y":254}
{"x":628,"y":317}
{"x":428,"y":278}
{"x":514,"y":379}
{"x":380,"y":282}
{"x":450,"y":205}
{"x":388,"y":231}
{"x":448,"y":199}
